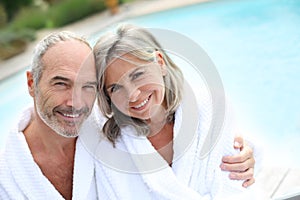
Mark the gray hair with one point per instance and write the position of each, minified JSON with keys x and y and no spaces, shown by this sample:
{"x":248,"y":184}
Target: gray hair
{"x":140,"y":43}
{"x":37,"y":66}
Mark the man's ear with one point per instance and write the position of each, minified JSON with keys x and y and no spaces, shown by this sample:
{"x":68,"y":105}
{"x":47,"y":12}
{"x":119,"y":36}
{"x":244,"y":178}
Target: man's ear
{"x":30,"y":83}
{"x":160,"y":60}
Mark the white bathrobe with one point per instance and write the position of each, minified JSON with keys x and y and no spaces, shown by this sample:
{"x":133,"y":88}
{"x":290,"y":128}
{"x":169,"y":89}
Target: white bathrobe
{"x":134,"y":170}
{"x":21,"y":177}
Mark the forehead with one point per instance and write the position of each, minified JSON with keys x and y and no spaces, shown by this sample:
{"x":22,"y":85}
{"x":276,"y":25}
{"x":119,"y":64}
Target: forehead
{"x":69,"y":58}
{"x":120,"y":68}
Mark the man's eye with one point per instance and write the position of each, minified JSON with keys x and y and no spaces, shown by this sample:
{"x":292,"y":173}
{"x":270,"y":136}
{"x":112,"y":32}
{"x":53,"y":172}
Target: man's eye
{"x":60,"y":84}
{"x":89,"y":88}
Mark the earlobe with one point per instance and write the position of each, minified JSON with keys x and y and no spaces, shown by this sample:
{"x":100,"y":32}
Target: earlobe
{"x":30,"y":83}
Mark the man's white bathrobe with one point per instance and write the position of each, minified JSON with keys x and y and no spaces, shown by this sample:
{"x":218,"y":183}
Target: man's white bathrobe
{"x":21,"y":177}
{"x":133,"y":170}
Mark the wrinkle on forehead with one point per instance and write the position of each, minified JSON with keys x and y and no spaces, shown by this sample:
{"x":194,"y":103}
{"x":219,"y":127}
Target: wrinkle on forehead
{"x":71,"y":52}
{"x":70,"y":58}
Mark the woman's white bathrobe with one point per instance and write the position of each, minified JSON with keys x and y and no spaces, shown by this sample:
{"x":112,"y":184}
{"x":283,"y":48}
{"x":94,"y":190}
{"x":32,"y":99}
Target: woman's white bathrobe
{"x":21,"y":178}
{"x":134,"y":170}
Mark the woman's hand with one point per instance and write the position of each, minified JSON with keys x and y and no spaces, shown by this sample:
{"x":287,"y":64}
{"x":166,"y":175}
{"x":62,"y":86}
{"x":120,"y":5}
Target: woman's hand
{"x":241,"y":165}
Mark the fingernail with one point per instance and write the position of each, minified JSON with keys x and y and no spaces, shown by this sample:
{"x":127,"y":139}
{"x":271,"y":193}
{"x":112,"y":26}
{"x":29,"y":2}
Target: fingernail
{"x":237,"y":144}
{"x":222,"y":167}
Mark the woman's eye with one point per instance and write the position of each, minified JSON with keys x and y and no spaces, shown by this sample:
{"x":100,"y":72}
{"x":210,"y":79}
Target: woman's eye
{"x":136,"y":75}
{"x":115,"y":88}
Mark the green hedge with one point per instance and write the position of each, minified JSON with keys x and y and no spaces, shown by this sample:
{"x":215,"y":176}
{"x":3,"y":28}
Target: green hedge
{"x":30,"y":18}
{"x":69,"y":11}
{"x":12,"y":6}
{"x":57,"y":15}
{"x":14,"y":42}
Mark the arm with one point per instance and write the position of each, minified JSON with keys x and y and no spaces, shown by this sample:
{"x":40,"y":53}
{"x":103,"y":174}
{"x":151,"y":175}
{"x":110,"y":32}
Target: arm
{"x":241,"y":166}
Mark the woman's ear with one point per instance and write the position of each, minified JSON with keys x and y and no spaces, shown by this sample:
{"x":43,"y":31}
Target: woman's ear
{"x":30,"y":83}
{"x":160,"y":60}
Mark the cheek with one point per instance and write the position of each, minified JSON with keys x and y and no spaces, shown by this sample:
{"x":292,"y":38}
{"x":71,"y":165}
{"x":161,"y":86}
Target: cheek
{"x":160,"y":90}
{"x":49,"y":98}
{"x":89,"y":97}
{"x":120,"y":103}
{"x":157,"y":88}
{"x":156,"y":82}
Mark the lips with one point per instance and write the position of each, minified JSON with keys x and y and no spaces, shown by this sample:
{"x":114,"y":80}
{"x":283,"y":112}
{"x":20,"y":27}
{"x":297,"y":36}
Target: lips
{"x":70,"y":118}
{"x":70,"y":115}
{"x":142,"y":104}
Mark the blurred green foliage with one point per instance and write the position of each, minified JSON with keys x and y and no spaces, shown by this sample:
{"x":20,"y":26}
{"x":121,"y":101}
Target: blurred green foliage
{"x":12,"y":6}
{"x":125,"y":1}
{"x":57,"y":14}
{"x":12,"y":42}
{"x":7,"y":36}
{"x":68,"y":11}
{"x":3,"y":16}
{"x":29,"y":18}
{"x":21,"y":18}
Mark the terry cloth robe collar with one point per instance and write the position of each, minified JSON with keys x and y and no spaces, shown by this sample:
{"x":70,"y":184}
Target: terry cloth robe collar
{"x":29,"y":177}
{"x":166,"y":182}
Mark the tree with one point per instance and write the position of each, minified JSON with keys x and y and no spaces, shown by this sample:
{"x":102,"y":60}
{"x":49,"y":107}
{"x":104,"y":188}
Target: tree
{"x":11,"y":7}
{"x":3,"y":17}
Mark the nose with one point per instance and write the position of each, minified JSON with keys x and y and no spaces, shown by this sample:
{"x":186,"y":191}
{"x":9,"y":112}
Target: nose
{"x":133,"y":96}
{"x":75,"y":99}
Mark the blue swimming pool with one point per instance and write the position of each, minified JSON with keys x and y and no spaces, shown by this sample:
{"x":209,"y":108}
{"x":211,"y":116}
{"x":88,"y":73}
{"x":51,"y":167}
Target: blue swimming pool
{"x":255,"y":47}
{"x":14,"y":97}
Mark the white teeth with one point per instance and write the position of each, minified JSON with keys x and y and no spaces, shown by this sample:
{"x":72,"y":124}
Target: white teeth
{"x":142,"y":104}
{"x":71,"y":115}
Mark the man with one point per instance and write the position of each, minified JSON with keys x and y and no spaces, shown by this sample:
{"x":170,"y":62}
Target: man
{"x":43,"y":158}
{"x":42,"y":155}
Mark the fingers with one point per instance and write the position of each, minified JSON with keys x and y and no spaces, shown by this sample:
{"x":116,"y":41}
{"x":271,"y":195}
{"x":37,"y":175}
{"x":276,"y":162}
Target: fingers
{"x":245,"y":154}
{"x":249,"y":182}
{"x":246,"y":175}
{"x":238,"y":142}
{"x":239,"y":166}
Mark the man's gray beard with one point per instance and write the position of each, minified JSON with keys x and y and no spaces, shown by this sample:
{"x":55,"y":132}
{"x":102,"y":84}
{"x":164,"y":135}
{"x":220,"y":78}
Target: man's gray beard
{"x":54,"y":126}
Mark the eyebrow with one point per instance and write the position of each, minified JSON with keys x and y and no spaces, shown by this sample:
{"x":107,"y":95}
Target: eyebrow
{"x":61,"y":78}
{"x":92,"y":83}
{"x":132,"y":73}
{"x":130,"y":76}
{"x":55,"y":78}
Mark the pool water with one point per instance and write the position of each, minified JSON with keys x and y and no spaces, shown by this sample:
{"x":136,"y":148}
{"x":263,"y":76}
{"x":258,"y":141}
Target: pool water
{"x":255,"y":47}
{"x":14,"y":97}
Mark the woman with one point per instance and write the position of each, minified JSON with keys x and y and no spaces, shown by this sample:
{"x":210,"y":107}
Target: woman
{"x":141,"y":92}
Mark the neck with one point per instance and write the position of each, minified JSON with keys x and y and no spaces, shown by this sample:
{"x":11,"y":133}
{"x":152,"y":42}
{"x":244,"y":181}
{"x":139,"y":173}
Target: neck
{"x":157,"y":121}
{"x":162,"y":141}
{"x":42,"y":138}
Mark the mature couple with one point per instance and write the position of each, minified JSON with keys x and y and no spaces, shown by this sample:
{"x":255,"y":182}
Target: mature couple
{"x":139,"y":91}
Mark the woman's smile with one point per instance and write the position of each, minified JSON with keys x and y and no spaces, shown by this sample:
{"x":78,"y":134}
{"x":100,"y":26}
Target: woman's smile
{"x":142,"y":105}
